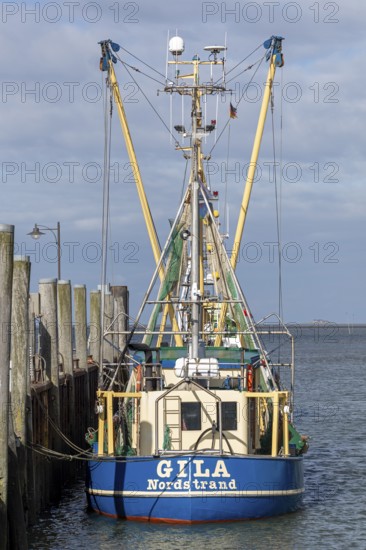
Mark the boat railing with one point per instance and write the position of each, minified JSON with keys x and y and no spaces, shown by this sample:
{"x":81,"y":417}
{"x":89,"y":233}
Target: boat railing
{"x":211,"y":332}
{"x":280,"y":411}
{"x":106,"y":433}
{"x":152,"y":376}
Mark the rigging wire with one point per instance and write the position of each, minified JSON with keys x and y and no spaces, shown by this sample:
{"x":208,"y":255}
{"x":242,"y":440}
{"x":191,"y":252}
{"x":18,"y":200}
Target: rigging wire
{"x":278,"y":218}
{"x":91,"y":457}
{"x":165,"y":76}
{"x":207,"y":173}
{"x":281,"y":151}
{"x":57,"y":429}
{"x":108,"y":110}
{"x":245,"y":70}
{"x":216,"y":114}
{"x":105,"y":89}
{"x":170,"y":117}
{"x":245,"y":58}
{"x":139,"y":71}
{"x":226,"y":171}
{"x":184,"y":181}
{"x":143,"y":62}
{"x":241,"y":97}
{"x":280,"y":197}
{"x":276,"y":199}
{"x":152,"y":106}
{"x":237,"y":65}
{"x":127,"y":65}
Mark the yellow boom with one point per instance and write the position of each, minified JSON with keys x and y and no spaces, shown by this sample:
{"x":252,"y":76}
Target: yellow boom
{"x":140,"y":189}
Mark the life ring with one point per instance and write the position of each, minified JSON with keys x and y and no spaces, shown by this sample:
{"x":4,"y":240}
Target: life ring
{"x":250,"y":376}
{"x":138,"y":378}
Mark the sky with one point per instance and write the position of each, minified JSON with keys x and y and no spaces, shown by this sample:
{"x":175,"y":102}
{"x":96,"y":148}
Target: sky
{"x":52,"y":143}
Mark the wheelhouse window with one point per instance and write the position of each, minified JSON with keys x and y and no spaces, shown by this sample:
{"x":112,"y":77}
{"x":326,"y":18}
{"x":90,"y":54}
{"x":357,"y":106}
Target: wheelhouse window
{"x":229,"y":415}
{"x":191,"y":416}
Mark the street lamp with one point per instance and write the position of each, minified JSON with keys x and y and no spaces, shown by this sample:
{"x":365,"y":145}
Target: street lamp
{"x":36,"y":234}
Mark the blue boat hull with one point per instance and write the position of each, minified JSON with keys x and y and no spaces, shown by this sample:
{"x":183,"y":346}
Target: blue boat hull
{"x":195,"y":488}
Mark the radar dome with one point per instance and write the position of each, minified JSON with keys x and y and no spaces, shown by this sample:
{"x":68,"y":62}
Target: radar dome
{"x":176,"y":45}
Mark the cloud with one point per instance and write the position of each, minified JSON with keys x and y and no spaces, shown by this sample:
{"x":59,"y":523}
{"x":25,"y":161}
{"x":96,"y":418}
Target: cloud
{"x":52,"y":150}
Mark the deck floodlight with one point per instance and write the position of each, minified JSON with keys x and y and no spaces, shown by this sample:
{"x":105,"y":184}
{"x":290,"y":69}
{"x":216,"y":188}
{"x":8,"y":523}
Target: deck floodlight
{"x":180,"y":129}
{"x":185,"y":234}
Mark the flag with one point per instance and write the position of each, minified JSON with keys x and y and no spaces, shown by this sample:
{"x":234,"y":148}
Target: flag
{"x":233,"y":111}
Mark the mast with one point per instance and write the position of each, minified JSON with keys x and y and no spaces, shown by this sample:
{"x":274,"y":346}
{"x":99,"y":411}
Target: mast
{"x":194,"y":304}
{"x":195,"y":221}
{"x":195,"y":90}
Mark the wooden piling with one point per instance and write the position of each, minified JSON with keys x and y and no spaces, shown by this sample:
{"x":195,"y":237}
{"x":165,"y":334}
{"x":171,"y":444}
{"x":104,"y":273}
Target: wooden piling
{"x":81,"y":344}
{"x":80,"y":325}
{"x":94,"y":333}
{"x":49,"y":351}
{"x":120,"y":295}
{"x":6,"y":278}
{"x":33,"y":312}
{"x":20,"y":366}
{"x":108,"y":350}
{"x":17,"y":535}
{"x":64,"y":320}
{"x":49,"y":338}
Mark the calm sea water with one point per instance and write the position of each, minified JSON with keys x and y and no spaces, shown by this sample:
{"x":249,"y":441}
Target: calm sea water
{"x":330,"y":407}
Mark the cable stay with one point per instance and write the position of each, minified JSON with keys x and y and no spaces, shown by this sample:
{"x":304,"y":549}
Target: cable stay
{"x":143,"y":62}
{"x":236,"y":106}
{"x":278,"y":202}
{"x":108,"y":110}
{"x":176,"y":143}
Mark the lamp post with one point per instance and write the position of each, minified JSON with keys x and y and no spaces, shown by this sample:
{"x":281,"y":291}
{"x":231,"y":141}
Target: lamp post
{"x":36,"y":234}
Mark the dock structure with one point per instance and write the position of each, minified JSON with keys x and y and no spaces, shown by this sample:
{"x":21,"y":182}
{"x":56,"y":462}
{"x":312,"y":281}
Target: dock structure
{"x":120,"y":295}
{"x":20,"y":402}
{"x":6,"y":278}
{"x":49,"y":375}
{"x":95,"y":329}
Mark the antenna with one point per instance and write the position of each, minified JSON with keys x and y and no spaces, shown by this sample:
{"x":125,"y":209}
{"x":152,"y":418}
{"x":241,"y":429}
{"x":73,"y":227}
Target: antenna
{"x":227,"y":220}
{"x":167,"y":57}
{"x":215,"y":50}
{"x":223,"y":65}
{"x":176,"y":45}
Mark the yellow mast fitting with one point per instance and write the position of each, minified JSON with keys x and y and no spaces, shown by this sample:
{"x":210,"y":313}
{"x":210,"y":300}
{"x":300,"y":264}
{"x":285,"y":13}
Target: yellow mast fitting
{"x":251,"y":173}
{"x":140,"y":189}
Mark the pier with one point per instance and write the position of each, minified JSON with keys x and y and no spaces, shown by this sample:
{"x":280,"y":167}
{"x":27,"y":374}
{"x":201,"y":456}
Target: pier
{"x":50,"y":359}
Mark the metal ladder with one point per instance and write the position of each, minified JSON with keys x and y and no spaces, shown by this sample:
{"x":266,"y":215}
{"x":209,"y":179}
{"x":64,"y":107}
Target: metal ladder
{"x":172,"y":418}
